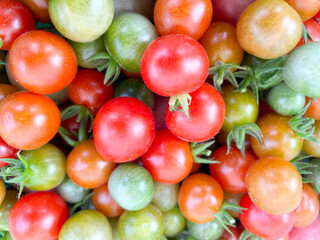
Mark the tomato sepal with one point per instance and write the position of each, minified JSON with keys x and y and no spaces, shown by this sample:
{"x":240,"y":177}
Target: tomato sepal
{"x":248,"y":235}
{"x":81,"y":203}
{"x":1,"y":42}
{"x":201,"y":153}
{"x":180,"y":103}
{"x":238,"y":135}
{"x":302,"y":167}
{"x":305,"y":34}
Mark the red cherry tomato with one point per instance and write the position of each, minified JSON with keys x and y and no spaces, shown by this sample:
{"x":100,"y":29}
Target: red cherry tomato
{"x":39,"y":8}
{"x":6,"y":151}
{"x":313,"y":29}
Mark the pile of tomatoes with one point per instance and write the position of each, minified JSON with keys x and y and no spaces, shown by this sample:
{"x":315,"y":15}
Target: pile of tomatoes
{"x":154,"y":120}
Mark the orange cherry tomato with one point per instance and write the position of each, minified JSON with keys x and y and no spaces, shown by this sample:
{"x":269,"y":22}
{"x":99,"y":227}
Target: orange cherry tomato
{"x":312,"y":148}
{"x":306,"y":8}
{"x":314,"y":109}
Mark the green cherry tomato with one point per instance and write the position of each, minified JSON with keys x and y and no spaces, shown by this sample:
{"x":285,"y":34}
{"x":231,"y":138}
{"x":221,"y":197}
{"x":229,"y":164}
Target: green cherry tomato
{"x":81,"y":20}
{"x":85,"y":225}
{"x":70,"y":191}
{"x":131,"y":186}
{"x":210,"y":231}
{"x":174,"y":222}
{"x":127,"y":38}
{"x":285,"y":101}
{"x":165,"y":196}
{"x":114,"y":226}
{"x":240,"y":107}
{"x":46,"y":166}
{"x":144,"y":224}
{"x":136,"y":88}
{"x":5,"y":208}
{"x":87,"y":50}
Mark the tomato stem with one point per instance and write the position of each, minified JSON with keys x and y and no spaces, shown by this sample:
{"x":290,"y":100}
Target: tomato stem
{"x":305,"y":34}
{"x":247,"y":235}
{"x":180,"y":103}
{"x":302,"y":167}
{"x":79,"y":204}
{"x":201,"y":149}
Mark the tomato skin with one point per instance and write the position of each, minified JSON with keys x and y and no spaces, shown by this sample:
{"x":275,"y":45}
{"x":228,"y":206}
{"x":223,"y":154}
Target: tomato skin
{"x":71,"y":192}
{"x":174,"y":64}
{"x":311,"y":232}
{"x":87,"y":89}
{"x":231,"y":170}
{"x":206,"y":112}
{"x":200,"y":196}
{"x":86,"y":167}
{"x":279,"y":140}
{"x":313,"y":29}
{"x":5,"y":208}
{"x":210,"y":230}
{"x":308,"y":210}
{"x":174,"y":222}
{"x":314,"y":109}
{"x":6,"y":90}
{"x":115,"y":131}
{"x":165,"y":196}
{"x":306,"y":8}
{"x":311,"y":148}
{"x":39,"y":8}
{"x":2,"y":191}
{"x":169,"y":160}
{"x":41,"y":213}
{"x":20,"y":115}
{"x":227,"y":236}
{"x":264,"y":40}
{"x":221,"y":44}
{"x":33,"y":60}
{"x":188,"y":17}
{"x":6,"y":151}
{"x":268,"y":174}
{"x":15,"y":19}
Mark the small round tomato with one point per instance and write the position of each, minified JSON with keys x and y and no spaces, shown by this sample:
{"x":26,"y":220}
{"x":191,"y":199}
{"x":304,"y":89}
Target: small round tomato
{"x":86,"y":167}
{"x":221,"y":44}
{"x":15,"y":19}
{"x":274,"y":185}
{"x":6,"y":151}
{"x":173,"y":65}
{"x":39,"y":8}
{"x":306,"y":8}
{"x":262,"y":39}
{"x":130,"y":125}
{"x":131,"y":186}
{"x":87,"y":89}
{"x":210,"y":230}
{"x":308,"y":210}
{"x":169,"y":159}
{"x":86,"y":224}
{"x":28,"y":120}
{"x":165,"y":196}
{"x":5,"y":208}
{"x":313,"y":28}
{"x":71,"y":192}
{"x":174,"y":222}
{"x":231,"y":170}
{"x":311,"y":232}
{"x":188,"y":17}
{"x":279,"y":140}
{"x":41,"y":214}
{"x":263,"y":224}
{"x":206,"y":114}
{"x":6,"y":90}
{"x":314,"y":109}
{"x":199,"y":197}
{"x":240,"y":107}
{"x":42,"y":62}
{"x":104,"y":203}
{"x":311,"y":148}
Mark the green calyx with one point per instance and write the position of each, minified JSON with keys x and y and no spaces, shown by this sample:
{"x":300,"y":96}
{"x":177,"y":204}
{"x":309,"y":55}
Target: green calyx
{"x":305,"y":34}
{"x":224,"y":218}
{"x":1,"y":43}
{"x":17,"y":169}
{"x":113,"y":68}
{"x":302,"y":166}
{"x":83,"y":115}
{"x":180,"y":103}
{"x":81,"y":203}
{"x":238,"y":135}
{"x":201,"y":153}
{"x":247,"y":235}
{"x":303,"y":126}
{"x":2,"y":63}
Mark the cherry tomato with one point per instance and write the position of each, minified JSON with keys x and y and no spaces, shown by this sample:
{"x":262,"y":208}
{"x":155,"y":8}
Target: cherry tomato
{"x":279,"y":140}
{"x":169,"y":159}
{"x":28,"y":120}
{"x":308,"y":210}
{"x":188,"y":17}
{"x":6,"y":151}
{"x":227,"y":236}
{"x":311,"y":232}
{"x":306,"y":8}
{"x":87,"y":89}
{"x":210,"y":230}
{"x":6,"y":90}
{"x":5,"y":208}
{"x":317,"y":17}
{"x":130,"y":125}
{"x":174,"y":222}
{"x":206,"y":115}
{"x":42,"y":62}
{"x":165,"y":196}
{"x":39,"y":8}
{"x":312,"y":148}
{"x":314,"y":109}
{"x":221,"y":44}
{"x":263,"y":224}
{"x":174,"y":64}
{"x":231,"y":170}
{"x":313,"y":29}
{"x":104,"y":203}
{"x":15,"y":19}
{"x":274,"y":185}
{"x":199,"y":197}
{"x":269,"y":29}
{"x":41,"y":214}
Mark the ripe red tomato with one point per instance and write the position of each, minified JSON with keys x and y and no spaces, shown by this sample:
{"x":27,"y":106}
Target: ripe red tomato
{"x":42,"y":62}
{"x":206,"y":112}
{"x":28,"y":120}
{"x":313,"y":29}
{"x":6,"y":90}
{"x":311,"y":232}
{"x":173,"y":65}
{"x":169,"y":160}
{"x":232,"y":169}
{"x":200,"y":196}
{"x":314,"y":109}
{"x":123,"y":129}
{"x":15,"y":19}
{"x":87,"y":89}
{"x":39,"y":9}
{"x":6,"y":151}
{"x":38,"y":215}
